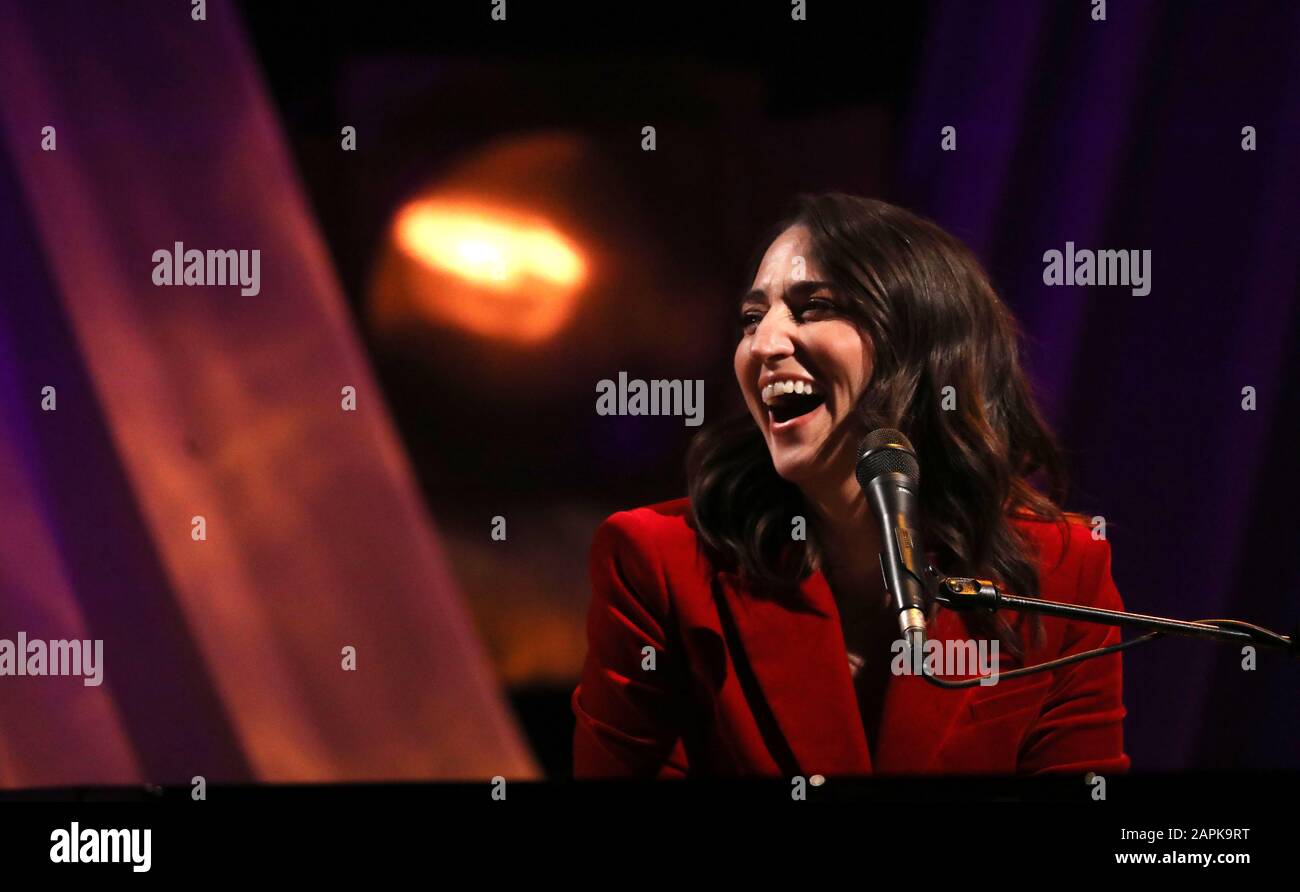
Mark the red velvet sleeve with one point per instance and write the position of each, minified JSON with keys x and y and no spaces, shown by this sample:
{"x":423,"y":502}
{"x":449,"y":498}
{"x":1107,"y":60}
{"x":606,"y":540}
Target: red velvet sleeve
{"x":1080,"y":728}
{"x":627,"y":713}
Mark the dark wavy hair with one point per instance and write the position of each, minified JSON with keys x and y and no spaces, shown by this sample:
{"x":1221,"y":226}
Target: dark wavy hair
{"x":935,"y":321}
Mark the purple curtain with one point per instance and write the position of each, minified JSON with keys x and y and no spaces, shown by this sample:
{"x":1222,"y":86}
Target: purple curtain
{"x":1127,"y":134}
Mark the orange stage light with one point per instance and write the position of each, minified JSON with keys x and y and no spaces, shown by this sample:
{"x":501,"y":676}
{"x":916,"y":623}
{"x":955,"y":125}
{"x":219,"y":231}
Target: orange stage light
{"x":519,"y":276}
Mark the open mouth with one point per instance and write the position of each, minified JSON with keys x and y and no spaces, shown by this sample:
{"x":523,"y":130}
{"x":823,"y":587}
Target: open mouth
{"x":788,"y":406}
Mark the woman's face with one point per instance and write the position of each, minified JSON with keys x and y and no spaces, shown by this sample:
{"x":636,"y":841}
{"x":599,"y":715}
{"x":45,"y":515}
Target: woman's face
{"x":798,"y":335}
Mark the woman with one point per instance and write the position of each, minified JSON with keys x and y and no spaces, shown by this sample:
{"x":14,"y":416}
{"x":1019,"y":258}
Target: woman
{"x":745,"y":631}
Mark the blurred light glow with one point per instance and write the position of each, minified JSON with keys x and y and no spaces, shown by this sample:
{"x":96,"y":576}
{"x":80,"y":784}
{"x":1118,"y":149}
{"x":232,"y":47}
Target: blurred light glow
{"x":529,"y":271}
{"x":487,"y":245}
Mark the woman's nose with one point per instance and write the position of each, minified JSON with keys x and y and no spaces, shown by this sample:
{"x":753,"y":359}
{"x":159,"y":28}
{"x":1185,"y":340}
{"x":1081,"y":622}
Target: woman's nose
{"x":772,"y":338}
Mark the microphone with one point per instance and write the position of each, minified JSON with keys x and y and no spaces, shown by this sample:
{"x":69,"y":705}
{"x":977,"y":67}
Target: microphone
{"x":890,"y":477}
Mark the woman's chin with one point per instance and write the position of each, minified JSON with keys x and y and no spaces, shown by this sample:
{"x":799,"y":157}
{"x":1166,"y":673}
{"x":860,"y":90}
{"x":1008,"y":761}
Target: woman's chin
{"x":807,"y":463}
{"x":795,"y":466}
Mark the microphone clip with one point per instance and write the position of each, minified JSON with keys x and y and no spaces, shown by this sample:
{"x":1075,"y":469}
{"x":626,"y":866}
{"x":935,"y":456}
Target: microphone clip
{"x":964,"y":593}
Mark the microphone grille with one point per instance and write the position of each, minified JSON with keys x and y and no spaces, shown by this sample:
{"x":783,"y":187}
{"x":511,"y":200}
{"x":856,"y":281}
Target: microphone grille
{"x":886,"y":451}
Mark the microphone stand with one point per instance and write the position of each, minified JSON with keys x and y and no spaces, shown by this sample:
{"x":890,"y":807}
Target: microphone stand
{"x":966,"y":594}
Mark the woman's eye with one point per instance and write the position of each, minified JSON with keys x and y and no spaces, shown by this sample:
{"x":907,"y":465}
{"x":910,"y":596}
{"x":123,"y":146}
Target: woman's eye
{"x":818,"y":305}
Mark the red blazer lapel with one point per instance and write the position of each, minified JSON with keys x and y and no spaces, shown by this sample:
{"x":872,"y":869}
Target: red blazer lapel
{"x":918,"y":716}
{"x":795,"y":648}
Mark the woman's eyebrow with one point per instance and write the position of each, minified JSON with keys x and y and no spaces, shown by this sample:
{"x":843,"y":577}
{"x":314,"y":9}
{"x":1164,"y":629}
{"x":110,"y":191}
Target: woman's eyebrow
{"x":806,"y":287}
{"x":794,"y":289}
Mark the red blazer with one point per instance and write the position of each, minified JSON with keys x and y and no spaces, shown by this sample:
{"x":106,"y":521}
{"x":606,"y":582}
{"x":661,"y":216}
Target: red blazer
{"x":755,"y":686}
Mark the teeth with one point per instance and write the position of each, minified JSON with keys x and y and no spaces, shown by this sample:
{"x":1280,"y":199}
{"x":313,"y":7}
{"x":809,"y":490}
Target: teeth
{"x":778,"y":388}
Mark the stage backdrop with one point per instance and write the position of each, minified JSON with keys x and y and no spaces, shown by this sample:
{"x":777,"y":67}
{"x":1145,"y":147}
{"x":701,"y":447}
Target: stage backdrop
{"x":223,"y":657}
{"x":1123,"y":134}
{"x":1128,"y":134}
